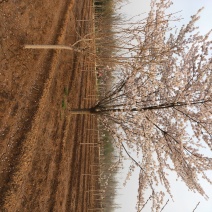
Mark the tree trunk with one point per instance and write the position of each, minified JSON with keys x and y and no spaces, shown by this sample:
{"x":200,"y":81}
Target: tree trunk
{"x":85,"y":111}
{"x":99,"y":110}
{"x":51,"y":47}
{"x":152,"y":107}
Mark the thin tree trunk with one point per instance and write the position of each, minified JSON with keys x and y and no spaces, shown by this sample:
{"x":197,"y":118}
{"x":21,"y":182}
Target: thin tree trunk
{"x":99,"y":110}
{"x":85,"y":111}
{"x":153,"y":107}
{"x":51,"y":47}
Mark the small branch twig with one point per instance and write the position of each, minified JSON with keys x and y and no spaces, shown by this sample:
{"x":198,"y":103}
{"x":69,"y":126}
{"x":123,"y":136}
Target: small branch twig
{"x":164,"y":205}
{"x":196,"y":206}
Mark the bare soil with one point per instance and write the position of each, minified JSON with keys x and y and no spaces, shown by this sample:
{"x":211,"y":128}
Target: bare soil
{"x":43,"y":166}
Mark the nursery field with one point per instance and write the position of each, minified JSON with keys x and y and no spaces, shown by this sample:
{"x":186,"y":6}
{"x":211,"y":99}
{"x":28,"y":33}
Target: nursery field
{"x":45,"y":164}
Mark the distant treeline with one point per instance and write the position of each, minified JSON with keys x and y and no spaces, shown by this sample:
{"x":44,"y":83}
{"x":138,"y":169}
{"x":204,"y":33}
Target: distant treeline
{"x":109,"y":172}
{"x":103,"y":5}
{"x":106,"y":17}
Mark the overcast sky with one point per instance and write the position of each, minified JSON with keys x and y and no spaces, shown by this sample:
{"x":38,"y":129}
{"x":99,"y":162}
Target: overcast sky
{"x":184,"y":201}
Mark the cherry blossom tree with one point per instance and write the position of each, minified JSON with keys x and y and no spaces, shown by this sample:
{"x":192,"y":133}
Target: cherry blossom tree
{"x":160,"y":107}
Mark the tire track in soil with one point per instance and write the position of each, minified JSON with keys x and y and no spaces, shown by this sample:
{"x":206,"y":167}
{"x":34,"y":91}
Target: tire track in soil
{"x":81,"y":158}
{"x":82,"y":196}
{"x":79,"y":167}
{"x":16,"y":151}
{"x":58,"y":163}
{"x":73,"y":165}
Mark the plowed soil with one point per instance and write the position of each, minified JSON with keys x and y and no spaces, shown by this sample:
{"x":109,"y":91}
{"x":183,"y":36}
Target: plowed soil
{"x":43,"y":166}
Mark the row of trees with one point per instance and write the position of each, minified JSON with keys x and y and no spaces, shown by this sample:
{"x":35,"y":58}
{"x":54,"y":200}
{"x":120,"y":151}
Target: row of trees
{"x":104,"y":21}
{"x":161,"y":105}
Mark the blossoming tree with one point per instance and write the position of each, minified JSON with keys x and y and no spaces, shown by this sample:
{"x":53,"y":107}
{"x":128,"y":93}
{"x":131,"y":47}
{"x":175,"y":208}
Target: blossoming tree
{"x":161,"y":105}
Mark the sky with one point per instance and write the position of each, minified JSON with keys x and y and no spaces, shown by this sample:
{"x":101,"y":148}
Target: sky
{"x":184,"y":201}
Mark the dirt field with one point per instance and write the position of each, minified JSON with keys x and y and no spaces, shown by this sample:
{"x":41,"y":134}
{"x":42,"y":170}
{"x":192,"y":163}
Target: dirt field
{"x":43,"y":166}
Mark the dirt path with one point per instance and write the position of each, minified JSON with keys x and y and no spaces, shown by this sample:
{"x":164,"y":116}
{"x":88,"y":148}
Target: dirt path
{"x":42,"y":163}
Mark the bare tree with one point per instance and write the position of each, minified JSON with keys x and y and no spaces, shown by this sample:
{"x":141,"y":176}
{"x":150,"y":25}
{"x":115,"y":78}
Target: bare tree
{"x":161,"y":106}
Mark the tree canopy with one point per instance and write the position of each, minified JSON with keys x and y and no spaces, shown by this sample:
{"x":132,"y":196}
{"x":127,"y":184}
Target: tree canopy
{"x":161,"y":105}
